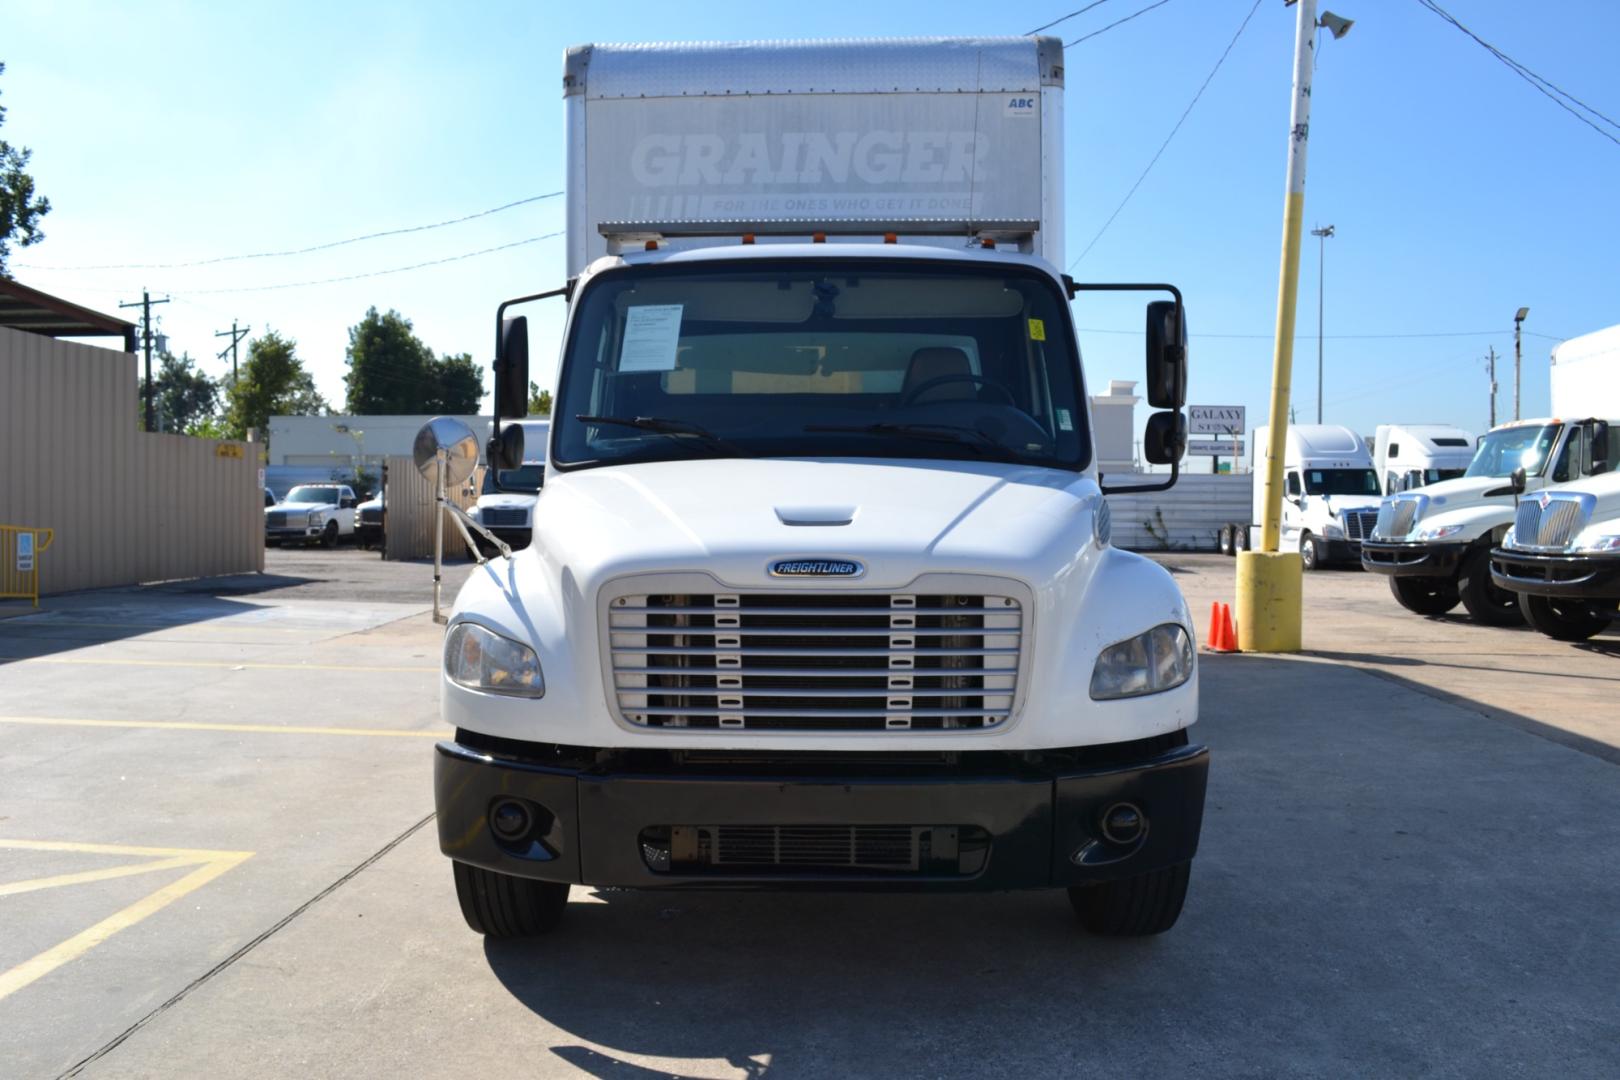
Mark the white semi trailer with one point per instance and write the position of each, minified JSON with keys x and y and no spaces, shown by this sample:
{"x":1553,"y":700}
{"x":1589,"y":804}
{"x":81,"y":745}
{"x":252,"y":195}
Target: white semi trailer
{"x":1409,"y":456}
{"x":823,"y":595}
{"x":1435,"y":544}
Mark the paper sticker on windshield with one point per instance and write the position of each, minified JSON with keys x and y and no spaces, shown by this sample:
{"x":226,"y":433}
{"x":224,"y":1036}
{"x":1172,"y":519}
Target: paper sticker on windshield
{"x":1065,"y":421}
{"x":1037,"y":330}
{"x":651,"y":334}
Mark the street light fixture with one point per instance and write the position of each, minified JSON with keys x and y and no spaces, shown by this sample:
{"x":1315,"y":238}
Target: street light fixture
{"x":1518,"y":323}
{"x":1321,"y":257}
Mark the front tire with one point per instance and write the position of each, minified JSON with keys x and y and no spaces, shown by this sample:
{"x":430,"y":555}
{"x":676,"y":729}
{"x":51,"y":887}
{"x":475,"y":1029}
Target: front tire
{"x":502,"y":906}
{"x":1425,"y":595}
{"x":1310,"y":555}
{"x":1226,"y":543}
{"x":1486,"y":603}
{"x":1135,"y":906}
{"x":329,"y":536}
{"x":1562,"y":620}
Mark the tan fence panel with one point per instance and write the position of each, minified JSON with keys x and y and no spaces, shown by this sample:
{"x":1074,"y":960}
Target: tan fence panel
{"x":409,"y":512}
{"x":125,"y":506}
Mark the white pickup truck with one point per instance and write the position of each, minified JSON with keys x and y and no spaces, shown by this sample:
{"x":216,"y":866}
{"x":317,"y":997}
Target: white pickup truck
{"x":823,"y":594}
{"x":312,"y":514}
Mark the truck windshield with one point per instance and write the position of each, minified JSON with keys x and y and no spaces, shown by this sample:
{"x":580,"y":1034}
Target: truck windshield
{"x":1341,"y":482}
{"x":1527,"y":446}
{"x":528,"y":477}
{"x":831,"y":358}
{"x":305,"y":493}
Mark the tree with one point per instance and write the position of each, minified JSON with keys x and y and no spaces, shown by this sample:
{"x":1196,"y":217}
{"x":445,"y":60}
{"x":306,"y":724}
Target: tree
{"x":185,"y":396}
{"x":273,"y":382}
{"x":392,"y":371}
{"x":539,"y":401}
{"x":20,"y":208}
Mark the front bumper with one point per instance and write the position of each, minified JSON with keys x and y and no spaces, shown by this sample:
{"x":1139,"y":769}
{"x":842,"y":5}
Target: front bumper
{"x":301,"y":532}
{"x":1400,"y":558}
{"x":980,"y":821}
{"x":1585,"y":577}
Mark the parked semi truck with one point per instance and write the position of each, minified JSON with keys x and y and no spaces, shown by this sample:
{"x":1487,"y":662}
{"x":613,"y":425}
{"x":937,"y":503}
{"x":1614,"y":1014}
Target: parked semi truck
{"x":1409,"y":456}
{"x":508,"y":498}
{"x":824,"y":595}
{"x":1435,"y":544}
{"x":1330,"y":495}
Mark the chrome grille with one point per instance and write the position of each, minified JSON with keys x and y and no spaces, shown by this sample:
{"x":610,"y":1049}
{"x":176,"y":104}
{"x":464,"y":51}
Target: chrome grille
{"x":1396,"y":517}
{"x":1552,"y":526}
{"x":1358,"y":524}
{"x":497,"y":516}
{"x":815,"y":661}
{"x":276,"y":520}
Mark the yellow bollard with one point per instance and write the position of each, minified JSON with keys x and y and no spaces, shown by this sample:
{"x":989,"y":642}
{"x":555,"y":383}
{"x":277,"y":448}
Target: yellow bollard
{"x":1268,"y":601}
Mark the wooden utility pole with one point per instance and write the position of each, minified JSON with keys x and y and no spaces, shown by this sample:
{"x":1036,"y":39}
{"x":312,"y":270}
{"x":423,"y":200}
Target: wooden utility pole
{"x":145,"y":304}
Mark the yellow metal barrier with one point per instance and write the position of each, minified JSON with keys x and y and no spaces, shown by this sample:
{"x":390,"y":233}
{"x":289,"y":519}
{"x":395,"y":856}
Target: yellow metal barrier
{"x":20,"y":549}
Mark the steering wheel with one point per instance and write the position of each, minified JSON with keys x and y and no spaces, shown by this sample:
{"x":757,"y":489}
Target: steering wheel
{"x":940,"y":380}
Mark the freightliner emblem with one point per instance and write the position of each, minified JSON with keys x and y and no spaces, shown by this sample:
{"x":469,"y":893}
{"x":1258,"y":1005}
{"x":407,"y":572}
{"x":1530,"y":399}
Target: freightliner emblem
{"x":816,"y":568}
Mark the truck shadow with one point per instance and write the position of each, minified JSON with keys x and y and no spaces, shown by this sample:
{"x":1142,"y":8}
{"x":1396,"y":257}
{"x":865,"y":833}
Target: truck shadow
{"x":1351,"y":869}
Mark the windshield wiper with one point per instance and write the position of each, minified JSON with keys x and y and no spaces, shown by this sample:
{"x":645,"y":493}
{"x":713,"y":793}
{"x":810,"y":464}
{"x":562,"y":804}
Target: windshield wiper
{"x":954,"y":433}
{"x":676,"y":429}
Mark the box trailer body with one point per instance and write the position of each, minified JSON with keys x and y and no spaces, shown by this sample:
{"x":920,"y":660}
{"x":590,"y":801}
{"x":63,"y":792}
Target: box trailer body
{"x":1435,"y":545}
{"x":823,"y":594}
{"x":1409,"y":456}
{"x":1330,"y":494}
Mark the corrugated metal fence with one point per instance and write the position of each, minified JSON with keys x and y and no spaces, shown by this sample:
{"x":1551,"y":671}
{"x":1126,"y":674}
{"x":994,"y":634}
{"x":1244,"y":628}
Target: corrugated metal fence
{"x":1188,"y":517}
{"x":408,"y":519}
{"x":126,"y":506}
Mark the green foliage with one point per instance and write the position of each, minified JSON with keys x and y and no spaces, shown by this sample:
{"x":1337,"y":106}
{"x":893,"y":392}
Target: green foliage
{"x":273,"y":382}
{"x":539,"y":401}
{"x":391,"y":371}
{"x":209,"y":427}
{"x":185,"y":396}
{"x":20,"y":207}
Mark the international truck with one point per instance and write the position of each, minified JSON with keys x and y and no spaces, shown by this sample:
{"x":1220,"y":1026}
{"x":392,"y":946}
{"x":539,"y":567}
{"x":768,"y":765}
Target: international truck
{"x":1330,"y":495}
{"x":1410,"y":456}
{"x":1435,"y":544}
{"x":1561,"y":558}
{"x":824,"y":595}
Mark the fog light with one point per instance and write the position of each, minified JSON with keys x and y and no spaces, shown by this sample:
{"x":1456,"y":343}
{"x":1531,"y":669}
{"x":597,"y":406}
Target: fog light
{"x":1123,"y":823}
{"x":510,"y":819}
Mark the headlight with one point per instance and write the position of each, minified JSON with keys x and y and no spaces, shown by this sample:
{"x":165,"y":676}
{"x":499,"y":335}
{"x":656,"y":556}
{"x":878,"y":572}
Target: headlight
{"x":1599,"y":544}
{"x":1331,"y":530}
{"x":480,"y":659}
{"x":1161,"y":659}
{"x":314,"y":517}
{"x":1438,"y":532}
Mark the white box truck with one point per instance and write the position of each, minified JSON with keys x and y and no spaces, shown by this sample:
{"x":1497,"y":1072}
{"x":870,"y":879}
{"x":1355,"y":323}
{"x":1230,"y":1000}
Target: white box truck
{"x":1561,"y":558}
{"x":1330,"y":495}
{"x":1410,"y":456}
{"x":1435,"y":544}
{"x":823,"y":596}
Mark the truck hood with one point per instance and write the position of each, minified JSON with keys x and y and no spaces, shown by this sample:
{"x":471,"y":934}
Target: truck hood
{"x":896,"y":517}
{"x":1341,"y":503}
{"x":1466,"y":493}
{"x":300,"y":507}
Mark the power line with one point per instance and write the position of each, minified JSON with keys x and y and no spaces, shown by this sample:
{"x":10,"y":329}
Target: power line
{"x":1163,"y":146}
{"x":1066,"y":18}
{"x":380,"y":273}
{"x":1555,"y":93}
{"x":1331,"y":337}
{"x":1116,"y":22}
{"x":305,"y":250}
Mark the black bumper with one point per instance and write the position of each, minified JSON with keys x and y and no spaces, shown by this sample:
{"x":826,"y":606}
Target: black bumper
{"x":1395,"y":558}
{"x":1585,"y":577}
{"x":982,"y":822}
{"x":1338,"y":550}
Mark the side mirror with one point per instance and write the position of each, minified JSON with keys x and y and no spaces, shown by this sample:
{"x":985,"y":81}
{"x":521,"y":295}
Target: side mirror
{"x":1516,"y":481}
{"x":1293,"y":486}
{"x":1166,"y":355}
{"x":1165,"y":440}
{"x":345,"y":503}
{"x":1599,"y":442}
{"x":512,"y":369}
{"x":505,"y":449}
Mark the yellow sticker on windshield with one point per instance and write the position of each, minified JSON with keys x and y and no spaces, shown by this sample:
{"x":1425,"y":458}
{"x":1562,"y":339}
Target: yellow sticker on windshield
{"x":1037,"y":330}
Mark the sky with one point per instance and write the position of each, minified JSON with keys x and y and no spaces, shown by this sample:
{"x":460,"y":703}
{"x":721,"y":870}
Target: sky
{"x":173,"y":132}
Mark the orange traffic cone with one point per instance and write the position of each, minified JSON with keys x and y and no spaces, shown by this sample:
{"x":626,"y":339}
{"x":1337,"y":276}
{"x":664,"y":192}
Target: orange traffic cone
{"x":1212,"y":639}
{"x":1224,"y":637}
{"x":1231,"y":630}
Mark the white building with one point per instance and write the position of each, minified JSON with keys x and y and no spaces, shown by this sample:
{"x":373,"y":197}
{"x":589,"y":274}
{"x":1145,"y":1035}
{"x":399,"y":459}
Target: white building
{"x":1114,"y":415}
{"x":346,"y":441}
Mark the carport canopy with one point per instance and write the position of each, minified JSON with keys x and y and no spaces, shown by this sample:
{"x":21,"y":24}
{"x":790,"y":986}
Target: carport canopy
{"x":22,"y":308}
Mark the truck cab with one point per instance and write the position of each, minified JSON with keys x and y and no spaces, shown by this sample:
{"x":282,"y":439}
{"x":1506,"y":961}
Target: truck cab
{"x":1330,"y":493}
{"x":1410,"y":456}
{"x":824,"y":594}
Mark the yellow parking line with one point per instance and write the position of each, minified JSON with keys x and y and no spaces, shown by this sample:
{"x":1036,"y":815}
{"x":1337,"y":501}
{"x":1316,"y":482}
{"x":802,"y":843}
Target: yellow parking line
{"x":189,"y":725}
{"x":85,"y":877}
{"x":82,"y":942}
{"x":76,"y":848}
{"x":233,"y":666}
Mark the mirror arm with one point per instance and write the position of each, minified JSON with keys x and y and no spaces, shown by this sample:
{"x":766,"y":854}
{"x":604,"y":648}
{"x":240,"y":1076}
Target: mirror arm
{"x":459,"y":516}
{"x":1165,"y":485}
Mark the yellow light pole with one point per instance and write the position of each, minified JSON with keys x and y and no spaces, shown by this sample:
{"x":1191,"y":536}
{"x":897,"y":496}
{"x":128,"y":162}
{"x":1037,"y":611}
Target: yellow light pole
{"x":1269,"y":581}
